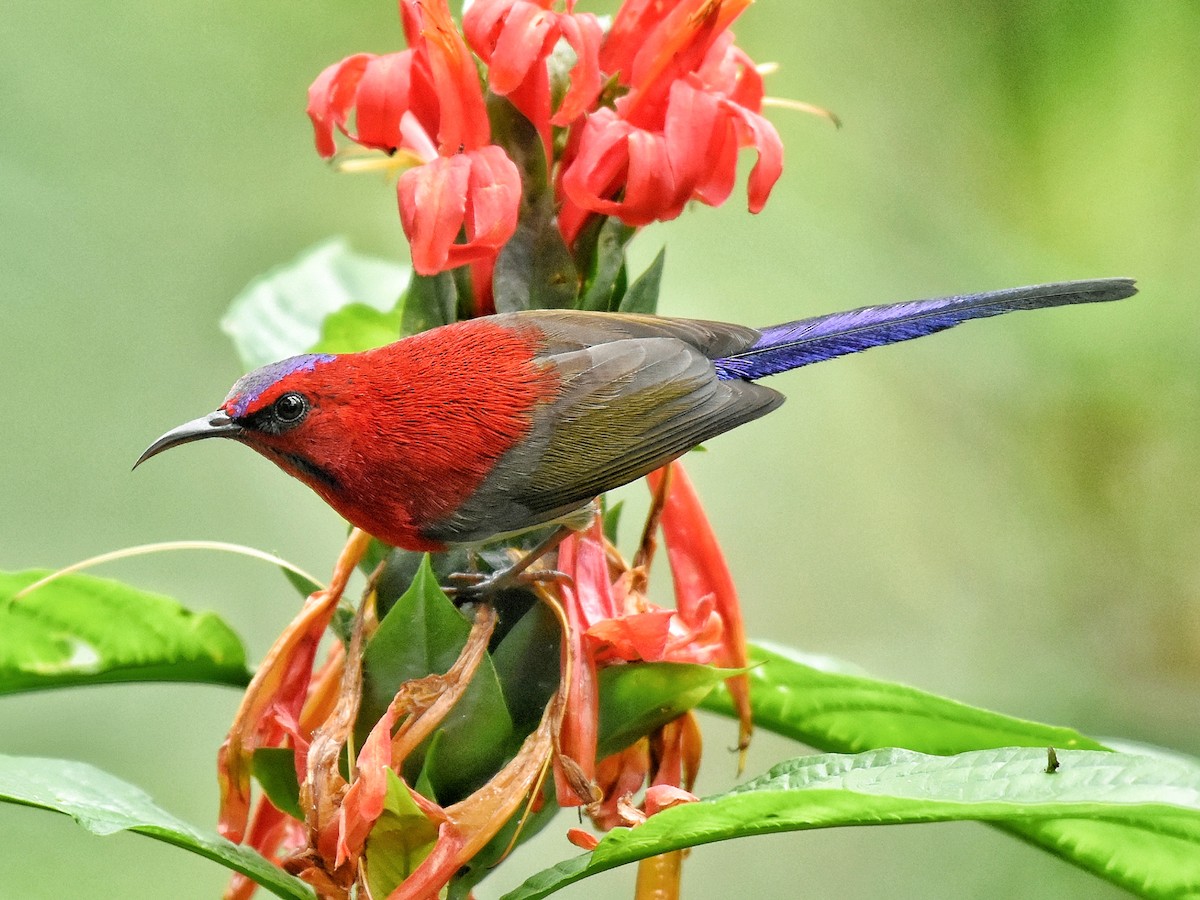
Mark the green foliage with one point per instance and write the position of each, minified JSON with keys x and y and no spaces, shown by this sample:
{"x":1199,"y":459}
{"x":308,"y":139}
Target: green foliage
{"x":288,"y":310}
{"x":105,"y":805}
{"x":401,"y":838}
{"x":78,"y":629}
{"x":535,"y":269}
{"x":274,"y":768}
{"x":642,"y":296}
{"x":811,"y":701}
{"x":637,"y":698}
{"x":358,"y":327}
{"x":603,"y":245}
{"x":421,"y":635}
{"x":827,"y":707}
{"x":1159,"y":797}
{"x":527,"y":662}
{"x":430,"y":301}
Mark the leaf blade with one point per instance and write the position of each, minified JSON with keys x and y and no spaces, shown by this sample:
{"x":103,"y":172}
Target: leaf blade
{"x":281,"y":313}
{"x":79,"y":629}
{"x":106,"y":805}
{"x":897,"y":786}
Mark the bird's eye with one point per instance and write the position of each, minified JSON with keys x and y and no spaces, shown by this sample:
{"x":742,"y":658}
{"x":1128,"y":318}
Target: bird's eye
{"x":290,"y":408}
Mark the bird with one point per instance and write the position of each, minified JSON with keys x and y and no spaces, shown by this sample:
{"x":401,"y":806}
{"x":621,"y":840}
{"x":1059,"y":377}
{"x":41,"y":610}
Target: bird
{"x":498,"y":425}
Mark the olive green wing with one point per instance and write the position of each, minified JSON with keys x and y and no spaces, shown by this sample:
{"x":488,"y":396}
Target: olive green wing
{"x":623,"y":407}
{"x":562,"y":331}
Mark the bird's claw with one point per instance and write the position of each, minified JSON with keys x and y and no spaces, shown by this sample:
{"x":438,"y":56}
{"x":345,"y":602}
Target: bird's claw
{"x":471,"y":586}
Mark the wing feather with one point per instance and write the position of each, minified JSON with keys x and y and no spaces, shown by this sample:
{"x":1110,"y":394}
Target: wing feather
{"x":624,"y":408}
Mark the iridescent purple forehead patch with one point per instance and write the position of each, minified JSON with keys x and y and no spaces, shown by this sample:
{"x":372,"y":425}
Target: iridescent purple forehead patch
{"x":250,"y":386}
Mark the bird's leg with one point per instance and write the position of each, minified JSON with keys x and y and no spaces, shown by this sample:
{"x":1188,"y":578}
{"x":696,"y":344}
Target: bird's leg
{"x":477,"y":587}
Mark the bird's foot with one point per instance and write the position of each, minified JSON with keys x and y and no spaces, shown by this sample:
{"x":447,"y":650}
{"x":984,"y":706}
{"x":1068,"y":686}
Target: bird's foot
{"x":472,"y":586}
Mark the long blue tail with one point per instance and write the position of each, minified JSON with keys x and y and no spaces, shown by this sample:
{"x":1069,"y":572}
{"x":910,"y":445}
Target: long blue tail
{"x":795,"y":344}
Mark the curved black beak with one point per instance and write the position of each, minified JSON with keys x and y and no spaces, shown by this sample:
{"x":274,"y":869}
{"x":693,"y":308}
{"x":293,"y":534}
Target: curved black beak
{"x":213,"y":425}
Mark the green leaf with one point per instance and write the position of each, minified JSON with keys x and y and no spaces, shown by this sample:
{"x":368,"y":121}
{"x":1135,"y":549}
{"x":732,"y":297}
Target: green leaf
{"x":535,"y":269}
{"x":612,"y":517}
{"x":421,"y":635}
{"x":639,"y":697}
{"x":1159,"y":799}
{"x":476,"y":739}
{"x":642,"y":296}
{"x":400,"y":839}
{"x":302,"y":583}
{"x":827,"y":706}
{"x":281,"y":313}
{"x":79,"y":629}
{"x":105,"y":805}
{"x":359,"y":327}
{"x":430,"y":301}
{"x":604,"y":284}
{"x":275,"y":770}
{"x":809,"y":700}
{"x":528,"y":666}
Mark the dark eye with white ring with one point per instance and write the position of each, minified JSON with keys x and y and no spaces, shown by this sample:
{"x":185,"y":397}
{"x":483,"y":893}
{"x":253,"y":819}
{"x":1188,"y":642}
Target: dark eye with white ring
{"x":290,"y":408}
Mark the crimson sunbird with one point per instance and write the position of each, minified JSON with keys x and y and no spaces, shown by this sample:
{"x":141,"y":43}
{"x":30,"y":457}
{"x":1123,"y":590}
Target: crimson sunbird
{"x":504,"y":423}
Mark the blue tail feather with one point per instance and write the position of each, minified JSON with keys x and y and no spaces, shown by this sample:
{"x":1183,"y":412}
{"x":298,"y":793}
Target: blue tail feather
{"x":795,"y":344}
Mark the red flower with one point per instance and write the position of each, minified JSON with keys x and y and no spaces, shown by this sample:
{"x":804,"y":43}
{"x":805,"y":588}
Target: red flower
{"x":610,"y":620}
{"x":694,"y":101}
{"x":426,"y":105}
{"x":516,"y":38}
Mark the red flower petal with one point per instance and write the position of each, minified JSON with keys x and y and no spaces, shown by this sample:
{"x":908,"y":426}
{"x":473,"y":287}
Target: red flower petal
{"x":433,"y":200}
{"x":384,"y":95}
{"x":664,"y":796}
{"x":584,"y":33}
{"x":640,"y":636}
{"x":330,"y":98}
{"x":698,"y":569}
{"x":454,"y":78}
{"x":760,"y":134}
{"x":479,"y":191}
{"x":521,"y":45}
{"x":585,"y":840}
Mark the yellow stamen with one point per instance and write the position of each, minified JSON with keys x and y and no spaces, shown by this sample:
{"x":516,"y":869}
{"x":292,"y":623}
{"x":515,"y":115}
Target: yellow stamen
{"x":801,"y":106}
{"x":388,"y":163}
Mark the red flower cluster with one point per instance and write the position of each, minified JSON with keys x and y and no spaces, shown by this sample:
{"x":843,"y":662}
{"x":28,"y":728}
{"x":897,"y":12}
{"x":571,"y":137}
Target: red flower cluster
{"x":611,"y":621}
{"x":681,"y":101}
{"x":426,"y":103}
{"x":606,"y":620}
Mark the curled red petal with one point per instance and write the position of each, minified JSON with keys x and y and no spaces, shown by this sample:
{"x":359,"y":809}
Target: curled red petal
{"x":585,"y":840}
{"x":578,"y":732}
{"x":525,"y":41}
{"x":584,"y":33}
{"x":652,"y":190}
{"x":760,"y":134}
{"x":384,"y":94}
{"x":640,"y":636}
{"x":479,"y":191}
{"x":600,"y":163}
{"x":330,"y":98}
{"x":701,"y":142}
{"x":676,"y":45}
{"x":493,"y":203}
{"x":433,"y":200}
{"x":482,"y":24}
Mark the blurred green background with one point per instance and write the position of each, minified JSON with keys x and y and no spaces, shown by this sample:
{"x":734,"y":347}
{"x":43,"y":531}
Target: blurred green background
{"x":1006,"y":514}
